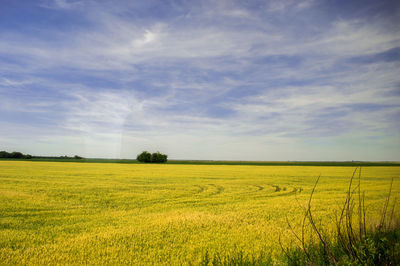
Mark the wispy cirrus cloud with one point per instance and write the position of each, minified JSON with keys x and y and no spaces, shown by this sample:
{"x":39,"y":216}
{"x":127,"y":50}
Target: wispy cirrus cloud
{"x":198,"y":78}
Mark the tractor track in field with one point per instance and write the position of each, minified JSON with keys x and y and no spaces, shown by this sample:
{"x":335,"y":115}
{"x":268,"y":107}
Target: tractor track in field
{"x":200,"y":189}
{"x":220,"y":189}
{"x":259,"y":188}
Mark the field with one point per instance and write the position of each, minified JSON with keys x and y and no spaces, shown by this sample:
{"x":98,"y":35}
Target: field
{"x":210,"y":162}
{"x":96,"y":213}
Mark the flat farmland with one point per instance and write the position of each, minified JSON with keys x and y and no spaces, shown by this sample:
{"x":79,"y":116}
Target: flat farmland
{"x":96,"y":213}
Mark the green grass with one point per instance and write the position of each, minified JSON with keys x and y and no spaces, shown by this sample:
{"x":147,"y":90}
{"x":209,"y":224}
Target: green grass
{"x":357,"y":239}
{"x":211,"y":162}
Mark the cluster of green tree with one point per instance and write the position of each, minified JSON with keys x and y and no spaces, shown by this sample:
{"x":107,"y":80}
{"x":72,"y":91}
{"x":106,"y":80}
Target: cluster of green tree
{"x":59,"y":157}
{"x":67,"y":157}
{"x":15,"y":155}
{"x":147,"y":157}
{"x":20,"y":155}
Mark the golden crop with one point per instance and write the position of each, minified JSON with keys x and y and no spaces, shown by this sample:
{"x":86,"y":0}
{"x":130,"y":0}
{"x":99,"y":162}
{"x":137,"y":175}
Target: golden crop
{"x":76,"y":213}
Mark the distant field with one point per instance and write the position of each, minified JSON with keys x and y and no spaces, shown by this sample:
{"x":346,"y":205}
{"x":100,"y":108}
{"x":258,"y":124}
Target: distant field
{"x":210,"y":162}
{"x":75,"y":213}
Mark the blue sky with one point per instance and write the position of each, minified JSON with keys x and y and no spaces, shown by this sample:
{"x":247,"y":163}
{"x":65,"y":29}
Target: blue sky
{"x":234,"y":80}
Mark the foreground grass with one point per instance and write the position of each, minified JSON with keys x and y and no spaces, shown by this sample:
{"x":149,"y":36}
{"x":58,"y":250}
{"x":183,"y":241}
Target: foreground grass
{"x":357,"y":240}
{"x":72,"y":213}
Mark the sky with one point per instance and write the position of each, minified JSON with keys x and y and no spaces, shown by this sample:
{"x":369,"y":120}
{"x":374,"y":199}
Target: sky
{"x":219,"y":80}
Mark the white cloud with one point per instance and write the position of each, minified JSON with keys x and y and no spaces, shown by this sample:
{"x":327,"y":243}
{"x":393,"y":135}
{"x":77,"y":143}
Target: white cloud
{"x":354,"y":37}
{"x":192,"y":64}
{"x":61,"y":4}
{"x":283,"y":5}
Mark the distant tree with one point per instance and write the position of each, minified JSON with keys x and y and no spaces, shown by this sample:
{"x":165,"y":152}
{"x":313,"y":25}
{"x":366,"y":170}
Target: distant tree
{"x":17,"y":155}
{"x":14,"y":155}
{"x":144,"y":157}
{"x":78,"y":157}
{"x":4,"y":154}
{"x":157,"y":157}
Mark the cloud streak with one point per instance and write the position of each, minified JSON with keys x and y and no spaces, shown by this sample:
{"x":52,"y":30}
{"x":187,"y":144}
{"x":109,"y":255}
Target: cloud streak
{"x":224,"y":78}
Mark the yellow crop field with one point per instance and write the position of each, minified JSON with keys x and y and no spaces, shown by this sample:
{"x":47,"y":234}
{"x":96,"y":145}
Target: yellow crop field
{"x":92,"y":213}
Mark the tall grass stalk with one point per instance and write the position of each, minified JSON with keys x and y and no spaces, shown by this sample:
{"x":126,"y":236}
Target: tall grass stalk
{"x":356,"y":239}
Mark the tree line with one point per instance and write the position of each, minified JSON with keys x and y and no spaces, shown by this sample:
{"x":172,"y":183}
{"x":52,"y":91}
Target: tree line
{"x":20,"y":155}
{"x":15,"y":155}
